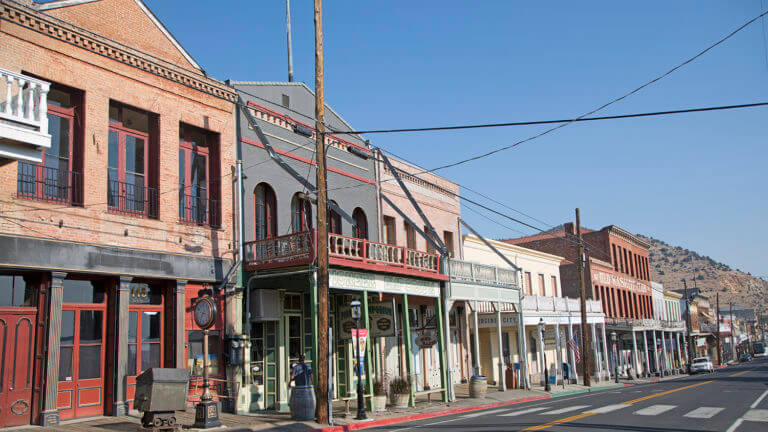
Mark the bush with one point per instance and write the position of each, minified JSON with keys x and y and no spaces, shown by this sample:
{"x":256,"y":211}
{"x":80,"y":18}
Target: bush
{"x":379,"y":389}
{"x":400,"y":386}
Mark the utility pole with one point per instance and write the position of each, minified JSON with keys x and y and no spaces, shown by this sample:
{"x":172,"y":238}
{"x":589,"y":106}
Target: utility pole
{"x":584,"y":333}
{"x":717,"y":315}
{"x":288,"y":32}
{"x":321,"y":411}
{"x":688,"y":325}
{"x":733,"y":336}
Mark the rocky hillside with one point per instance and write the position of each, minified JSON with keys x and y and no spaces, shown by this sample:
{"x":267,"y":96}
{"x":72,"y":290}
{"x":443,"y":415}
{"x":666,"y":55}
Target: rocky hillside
{"x":669,"y":264}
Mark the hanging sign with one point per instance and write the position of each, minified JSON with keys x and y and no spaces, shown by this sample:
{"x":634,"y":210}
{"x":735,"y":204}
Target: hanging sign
{"x":359,"y":338}
{"x":426,"y":340}
{"x":380,"y":315}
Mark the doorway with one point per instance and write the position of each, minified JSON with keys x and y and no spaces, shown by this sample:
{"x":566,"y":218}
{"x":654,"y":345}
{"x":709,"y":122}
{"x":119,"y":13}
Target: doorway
{"x":145,"y":334}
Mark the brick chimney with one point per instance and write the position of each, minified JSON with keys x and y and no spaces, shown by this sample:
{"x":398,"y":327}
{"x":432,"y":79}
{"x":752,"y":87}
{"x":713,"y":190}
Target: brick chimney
{"x":569,"y":228}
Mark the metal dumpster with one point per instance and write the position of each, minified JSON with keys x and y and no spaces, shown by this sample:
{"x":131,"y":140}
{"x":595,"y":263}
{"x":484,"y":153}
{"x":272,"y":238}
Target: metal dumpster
{"x":159,"y":393}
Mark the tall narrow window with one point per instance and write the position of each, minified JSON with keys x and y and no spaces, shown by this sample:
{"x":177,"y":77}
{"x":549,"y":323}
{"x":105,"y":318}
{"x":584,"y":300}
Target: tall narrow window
{"x":430,"y":248}
{"x":264,"y":212}
{"x":554,"y":287}
{"x":334,"y":220}
{"x":626,"y":264}
{"x":197,"y":203}
{"x":631,"y":264}
{"x":528,"y":287}
{"x":542,"y":287}
{"x":128,"y":143}
{"x":448,"y":240}
{"x":390,"y":235}
{"x":615,"y":258}
{"x":361,"y":223}
{"x":410,"y":236}
{"x":301,"y":213}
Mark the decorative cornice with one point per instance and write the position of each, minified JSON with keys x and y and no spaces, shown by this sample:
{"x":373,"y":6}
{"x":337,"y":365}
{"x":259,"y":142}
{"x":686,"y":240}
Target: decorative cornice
{"x":619,"y":232}
{"x":97,"y":44}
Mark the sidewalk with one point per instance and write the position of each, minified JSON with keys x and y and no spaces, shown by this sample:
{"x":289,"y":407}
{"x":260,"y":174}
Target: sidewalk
{"x":281,"y":422}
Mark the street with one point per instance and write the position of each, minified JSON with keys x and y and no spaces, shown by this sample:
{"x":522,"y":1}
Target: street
{"x":734,"y":399}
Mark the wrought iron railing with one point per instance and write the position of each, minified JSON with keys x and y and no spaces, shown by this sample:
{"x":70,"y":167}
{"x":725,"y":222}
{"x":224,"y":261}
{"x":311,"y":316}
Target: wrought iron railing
{"x":198,"y":209}
{"x":132,"y":199}
{"x":40,"y":182}
{"x":281,"y":249}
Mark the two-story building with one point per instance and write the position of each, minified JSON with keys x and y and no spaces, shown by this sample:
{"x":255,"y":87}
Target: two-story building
{"x":116,"y":206}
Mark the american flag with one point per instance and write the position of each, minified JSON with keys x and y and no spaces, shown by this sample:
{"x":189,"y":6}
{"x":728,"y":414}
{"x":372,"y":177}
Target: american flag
{"x":574,"y":345}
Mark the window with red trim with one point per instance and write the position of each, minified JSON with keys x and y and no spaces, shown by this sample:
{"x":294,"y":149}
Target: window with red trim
{"x":361,"y":223}
{"x":198,"y":196}
{"x":301,"y":213}
{"x":265,"y":212}
{"x":334,"y":220}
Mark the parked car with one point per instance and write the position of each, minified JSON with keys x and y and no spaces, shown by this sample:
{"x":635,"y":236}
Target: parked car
{"x":702,"y":364}
{"x":745,"y":358}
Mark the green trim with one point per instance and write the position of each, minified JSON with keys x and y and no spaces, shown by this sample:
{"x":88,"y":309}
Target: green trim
{"x":408,"y":354}
{"x":441,"y":347}
{"x":368,"y":352}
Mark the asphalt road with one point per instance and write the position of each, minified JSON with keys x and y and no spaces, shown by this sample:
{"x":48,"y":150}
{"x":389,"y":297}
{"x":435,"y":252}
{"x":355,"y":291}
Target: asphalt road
{"x":734,"y":399}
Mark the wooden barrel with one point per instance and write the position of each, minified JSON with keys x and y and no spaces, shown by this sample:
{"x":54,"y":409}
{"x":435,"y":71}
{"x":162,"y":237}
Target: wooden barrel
{"x":478,"y":386}
{"x":302,"y":403}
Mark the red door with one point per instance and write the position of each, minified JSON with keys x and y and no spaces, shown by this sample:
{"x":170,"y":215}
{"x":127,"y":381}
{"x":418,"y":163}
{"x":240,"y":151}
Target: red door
{"x":145,"y":344}
{"x":17,"y":337}
{"x":81,"y":364}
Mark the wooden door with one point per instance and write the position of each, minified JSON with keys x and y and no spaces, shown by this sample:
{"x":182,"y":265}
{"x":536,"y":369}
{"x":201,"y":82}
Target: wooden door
{"x":17,"y":336}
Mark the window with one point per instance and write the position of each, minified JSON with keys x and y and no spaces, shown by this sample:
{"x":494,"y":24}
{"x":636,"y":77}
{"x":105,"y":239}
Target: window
{"x":16,"y":292}
{"x":195,"y":352}
{"x":361,"y":224}
{"x":127,"y":182}
{"x":554,"y":287}
{"x":264,"y":212}
{"x":625,"y":269}
{"x":430,"y":248}
{"x":56,"y":179}
{"x":410,"y":236}
{"x":83,"y":291}
{"x":631,"y":264}
{"x":301,"y":213}
{"x":615,"y":258}
{"x":528,"y":287}
{"x":334,"y":220}
{"x":197,"y":197}
{"x":542,"y":288}
{"x":448,"y":240}
{"x":390,"y":236}
{"x":144,"y":341}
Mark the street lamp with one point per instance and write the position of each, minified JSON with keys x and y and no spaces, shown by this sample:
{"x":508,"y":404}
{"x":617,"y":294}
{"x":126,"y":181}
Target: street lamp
{"x":615,"y":357}
{"x":544,"y":351}
{"x":355,"y":307}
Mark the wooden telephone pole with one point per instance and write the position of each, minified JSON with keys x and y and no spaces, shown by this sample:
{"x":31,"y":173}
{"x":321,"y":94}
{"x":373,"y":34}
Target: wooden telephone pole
{"x":321,"y":411}
{"x":688,"y":325}
{"x":584,"y":333}
{"x":717,"y":315}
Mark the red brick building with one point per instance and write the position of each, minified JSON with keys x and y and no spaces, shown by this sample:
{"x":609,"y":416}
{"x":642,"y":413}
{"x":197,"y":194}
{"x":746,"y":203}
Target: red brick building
{"x":111,"y":227}
{"x":617,"y":269}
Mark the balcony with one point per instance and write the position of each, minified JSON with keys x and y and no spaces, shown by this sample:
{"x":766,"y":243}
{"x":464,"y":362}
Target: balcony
{"x":23,"y":117}
{"x":44,"y":183}
{"x":298,"y":249}
{"x":535,"y":303}
{"x":465,"y":271}
{"x":132,"y":199}
{"x":198,"y":210}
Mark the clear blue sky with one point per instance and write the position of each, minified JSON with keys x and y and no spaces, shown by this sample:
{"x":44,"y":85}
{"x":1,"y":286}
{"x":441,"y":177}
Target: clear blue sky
{"x":694,"y":180}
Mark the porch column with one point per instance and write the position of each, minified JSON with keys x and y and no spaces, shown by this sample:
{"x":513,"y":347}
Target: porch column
{"x":636,"y":364}
{"x":647,"y":367}
{"x":605,"y":351}
{"x":408,"y":353}
{"x":445,"y":316}
{"x":50,"y":414}
{"x":120,"y":407}
{"x":540,"y":338}
{"x":476,"y":347}
{"x":571,"y":354}
{"x":497,"y":306}
{"x":559,"y":356}
{"x":685,"y":345}
{"x":522,"y":349}
{"x":368,"y":353}
{"x":283,"y":369}
{"x":655,"y":352}
{"x":664,"y":349}
{"x":598,"y":360}
{"x":679,"y":352}
{"x":442,"y":347}
{"x":179,"y":306}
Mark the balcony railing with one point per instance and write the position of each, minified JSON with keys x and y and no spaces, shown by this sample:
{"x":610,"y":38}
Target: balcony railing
{"x":132,"y":199}
{"x":558,"y":304}
{"x":198,"y":210}
{"x":299,"y":248}
{"x":39,"y":182}
{"x":23,"y":116}
{"x":482,"y":273}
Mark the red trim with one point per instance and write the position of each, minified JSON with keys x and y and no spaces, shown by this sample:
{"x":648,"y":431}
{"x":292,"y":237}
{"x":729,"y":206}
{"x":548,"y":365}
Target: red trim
{"x":309,"y":161}
{"x":427,"y":415}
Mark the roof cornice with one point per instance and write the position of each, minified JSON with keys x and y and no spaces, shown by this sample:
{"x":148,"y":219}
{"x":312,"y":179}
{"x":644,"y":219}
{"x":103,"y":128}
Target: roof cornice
{"x":626,"y":235}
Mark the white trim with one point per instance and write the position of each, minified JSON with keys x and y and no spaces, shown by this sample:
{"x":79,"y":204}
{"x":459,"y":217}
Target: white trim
{"x":61,"y":4}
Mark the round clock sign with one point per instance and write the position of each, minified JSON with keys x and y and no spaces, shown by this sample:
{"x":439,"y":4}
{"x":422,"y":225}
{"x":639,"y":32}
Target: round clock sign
{"x":204,"y":312}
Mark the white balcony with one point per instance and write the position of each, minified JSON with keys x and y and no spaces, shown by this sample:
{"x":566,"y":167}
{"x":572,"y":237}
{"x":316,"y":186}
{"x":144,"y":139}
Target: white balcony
{"x":23,"y":117}
{"x":535,"y":303}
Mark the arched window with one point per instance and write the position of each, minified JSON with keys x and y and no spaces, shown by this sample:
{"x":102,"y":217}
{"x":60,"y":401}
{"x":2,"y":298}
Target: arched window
{"x":334,"y":220}
{"x":264,"y":212}
{"x":361,"y":224}
{"x":301,"y":213}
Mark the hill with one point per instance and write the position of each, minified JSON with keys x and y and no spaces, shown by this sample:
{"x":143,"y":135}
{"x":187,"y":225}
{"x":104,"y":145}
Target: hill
{"x":669,"y":264}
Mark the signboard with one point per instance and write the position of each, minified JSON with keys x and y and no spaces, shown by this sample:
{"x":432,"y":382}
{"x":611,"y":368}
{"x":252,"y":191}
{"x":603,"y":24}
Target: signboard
{"x":374,"y":282}
{"x":620,"y":282}
{"x":426,"y":339}
{"x":381,"y":317}
{"x":139,"y":293}
{"x":700,"y":342}
{"x":359,"y":338}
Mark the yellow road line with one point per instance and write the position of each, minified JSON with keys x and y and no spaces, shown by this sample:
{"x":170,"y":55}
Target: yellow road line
{"x":664,"y":393}
{"x":589,"y":413}
{"x":557,"y":422}
{"x":741,"y":373}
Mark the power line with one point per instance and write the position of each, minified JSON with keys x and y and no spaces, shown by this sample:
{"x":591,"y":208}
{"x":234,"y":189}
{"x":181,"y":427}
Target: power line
{"x":613,"y":101}
{"x":541,"y":122}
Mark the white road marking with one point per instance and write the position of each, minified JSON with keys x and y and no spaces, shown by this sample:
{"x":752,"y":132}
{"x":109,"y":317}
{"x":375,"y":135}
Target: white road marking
{"x":483,"y":413}
{"x":756,"y":415}
{"x":607,"y":409}
{"x":735,"y":425}
{"x":565,"y":410}
{"x":521,"y":412}
{"x":754,"y":404}
{"x":704,"y":412}
{"x":654,"y":410}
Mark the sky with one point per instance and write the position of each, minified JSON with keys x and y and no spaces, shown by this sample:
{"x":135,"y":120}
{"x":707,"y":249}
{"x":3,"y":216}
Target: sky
{"x":692,"y":180}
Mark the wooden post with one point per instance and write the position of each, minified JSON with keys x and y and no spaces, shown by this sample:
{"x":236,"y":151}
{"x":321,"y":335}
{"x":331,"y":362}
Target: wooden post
{"x":322,"y":227}
{"x":368,"y":352}
{"x":442,"y":347}
{"x":583,"y":289}
{"x":408,"y":354}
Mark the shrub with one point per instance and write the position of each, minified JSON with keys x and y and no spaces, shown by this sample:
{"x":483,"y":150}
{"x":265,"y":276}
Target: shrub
{"x":379,"y":389}
{"x":400,"y":386}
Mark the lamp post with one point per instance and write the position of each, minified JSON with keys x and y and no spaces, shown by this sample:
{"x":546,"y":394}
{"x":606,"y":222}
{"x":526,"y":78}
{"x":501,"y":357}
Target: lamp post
{"x":544,"y":351}
{"x":615,"y":357}
{"x":355,"y":306}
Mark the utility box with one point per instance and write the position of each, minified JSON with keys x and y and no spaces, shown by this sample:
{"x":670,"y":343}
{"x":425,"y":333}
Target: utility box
{"x":159,"y":393}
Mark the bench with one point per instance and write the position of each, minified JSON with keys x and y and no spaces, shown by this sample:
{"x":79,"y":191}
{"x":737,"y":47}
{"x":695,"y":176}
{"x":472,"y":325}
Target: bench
{"x":347,"y":400}
{"x":429,"y":393}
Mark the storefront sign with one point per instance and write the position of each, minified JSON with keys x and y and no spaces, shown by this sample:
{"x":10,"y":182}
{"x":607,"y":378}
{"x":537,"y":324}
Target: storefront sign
{"x":139,"y":293}
{"x":374,"y":282}
{"x":489,"y":321}
{"x":426,"y":340}
{"x":381,"y":318}
{"x":620,"y":282}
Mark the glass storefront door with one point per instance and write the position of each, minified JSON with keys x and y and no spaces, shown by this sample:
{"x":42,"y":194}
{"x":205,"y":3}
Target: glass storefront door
{"x":145,"y":333}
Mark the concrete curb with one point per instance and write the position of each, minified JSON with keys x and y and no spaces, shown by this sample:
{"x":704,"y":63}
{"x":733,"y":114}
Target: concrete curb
{"x":590,"y":390}
{"x":426,"y":415}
